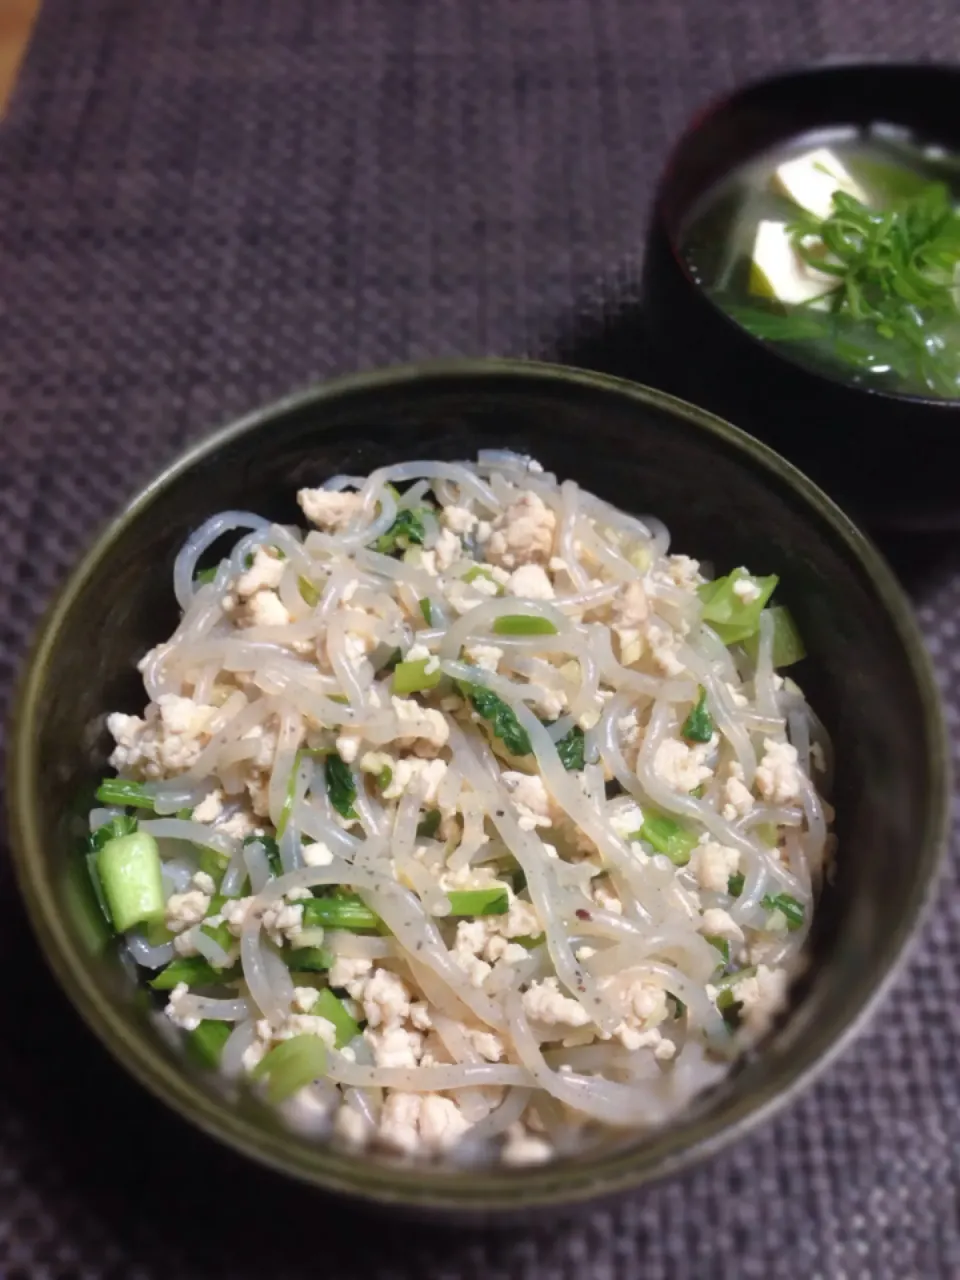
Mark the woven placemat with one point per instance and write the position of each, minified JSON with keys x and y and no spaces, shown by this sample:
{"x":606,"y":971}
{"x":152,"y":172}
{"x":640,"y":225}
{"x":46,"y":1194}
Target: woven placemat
{"x":207,"y":203}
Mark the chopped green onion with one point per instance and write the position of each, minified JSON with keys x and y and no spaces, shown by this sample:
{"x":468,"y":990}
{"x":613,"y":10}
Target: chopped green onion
{"x":523,"y":624}
{"x":309,"y":959}
{"x":791,"y":908}
{"x":308,"y":591}
{"x":124,"y":791}
{"x":570,"y":749}
{"x":392,"y":659}
{"x":788,"y":646}
{"x":413,"y":677}
{"x":698,"y":726}
{"x":732,"y":618}
{"x":347,"y":911}
{"x":291,"y":1065}
{"x":430,"y":825}
{"x":205,"y":1043}
{"x":479,"y":902}
{"x":384,"y":777}
{"x":480,"y":571}
{"x":667,"y":836}
{"x":730,"y":1007}
{"x":157,"y":933}
{"x":735,"y":885}
{"x":193,"y":970}
{"x":130,"y":872}
{"x":427,"y":610}
{"x":328,"y":1006}
{"x":503,"y":720}
{"x":769,"y":833}
{"x":721,"y":944}
{"x":341,"y":786}
{"x":679,"y":1008}
{"x":205,"y":576}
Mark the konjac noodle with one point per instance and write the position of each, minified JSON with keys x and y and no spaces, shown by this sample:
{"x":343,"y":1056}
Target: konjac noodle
{"x":466,"y":818}
{"x":843,"y":251}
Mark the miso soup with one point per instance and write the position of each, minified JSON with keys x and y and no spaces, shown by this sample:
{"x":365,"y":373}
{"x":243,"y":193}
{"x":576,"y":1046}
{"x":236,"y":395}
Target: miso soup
{"x":843,"y":252}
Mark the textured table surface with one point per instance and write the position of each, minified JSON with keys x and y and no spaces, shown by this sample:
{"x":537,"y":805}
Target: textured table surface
{"x":206,"y":203}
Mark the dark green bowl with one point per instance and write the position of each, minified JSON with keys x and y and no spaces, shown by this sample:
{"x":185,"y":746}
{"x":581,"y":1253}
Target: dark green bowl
{"x":727,"y":499}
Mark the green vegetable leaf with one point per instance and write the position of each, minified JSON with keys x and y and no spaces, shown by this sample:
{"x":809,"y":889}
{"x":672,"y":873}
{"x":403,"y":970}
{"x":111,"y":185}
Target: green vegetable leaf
{"x":698,"y":726}
{"x":413,"y":677}
{"x":667,"y":836}
{"x":341,"y":786}
{"x":328,"y":1006}
{"x":308,"y":959}
{"x":205,"y":576}
{"x":291,"y":1065}
{"x":735,"y":885}
{"x":479,"y":902}
{"x":501,"y":717}
{"x":570,"y":749}
{"x":481,"y":571}
{"x":730,"y":616}
{"x":721,"y":944}
{"x":430,"y":825}
{"x":427,"y":610}
{"x":205,"y":1043}
{"x":791,"y":908}
{"x":193,"y":970}
{"x":406,"y":530}
{"x":308,"y":591}
{"x":788,"y":646}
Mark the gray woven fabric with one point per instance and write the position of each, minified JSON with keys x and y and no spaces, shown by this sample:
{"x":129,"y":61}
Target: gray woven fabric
{"x":204,"y":204}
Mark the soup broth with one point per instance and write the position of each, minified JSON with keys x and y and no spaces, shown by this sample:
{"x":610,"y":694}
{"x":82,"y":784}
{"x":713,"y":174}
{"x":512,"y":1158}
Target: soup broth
{"x":843,"y":252}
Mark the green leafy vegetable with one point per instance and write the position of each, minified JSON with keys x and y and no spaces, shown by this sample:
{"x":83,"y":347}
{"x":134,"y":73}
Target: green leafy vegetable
{"x":212,"y":863}
{"x":341,"y":786}
{"x":205,"y":576}
{"x":479,"y":902}
{"x":667,"y":836}
{"x":430,"y":825}
{"x":735,"y":885}
{"x":529,"y":943}
{"x":721,"y":944}
{"x":220,"y":933}
{"x":791,"y":908}
{"x":427,"y":610}
{"x":481,"y":571}
{"x":570,"y":749}
{"x":205,"y":1043}
{"x":308,"y":591}
{"x":193,"y":970}
{"x":523,"y":624}
{"x":290,"y":1066}
{"x":345,"y":911}
{"x":384,"y":777}
{"x":270,"y":848}
{"x":679,"y":1008}
{"x":698,"y":726}
{"x":328,"y":1006}
{"x":501,"y":717}
{"x":124,"y":791}
{"x":406,"y":530}
{"x":730,"y":616}
{"x":788,"y":646}
{"x":413,"y":677}
{"x":308,"y":959}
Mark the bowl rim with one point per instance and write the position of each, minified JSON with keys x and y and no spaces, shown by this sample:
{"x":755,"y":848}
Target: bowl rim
{"x":498,"y":1192}
{"x":716,"y":106}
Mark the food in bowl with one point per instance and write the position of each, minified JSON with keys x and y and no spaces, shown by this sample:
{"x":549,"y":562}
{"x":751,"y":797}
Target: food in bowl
{"x":842,"y":251}
{"x":469,"y":820}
